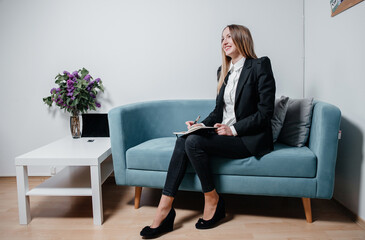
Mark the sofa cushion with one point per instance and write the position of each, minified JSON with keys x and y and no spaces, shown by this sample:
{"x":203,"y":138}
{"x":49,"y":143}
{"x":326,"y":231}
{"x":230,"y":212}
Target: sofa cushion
{"x":298,"y":119}
{"x":284,"y":161}
{"x":277,"y":121}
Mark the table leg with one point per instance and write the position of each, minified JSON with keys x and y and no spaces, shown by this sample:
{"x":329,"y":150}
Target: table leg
{"x":96,"y":194}
{"x":23,"y":199}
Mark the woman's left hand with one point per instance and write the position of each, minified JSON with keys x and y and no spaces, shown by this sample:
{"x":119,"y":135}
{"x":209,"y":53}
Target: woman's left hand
{"x":223,"y":129}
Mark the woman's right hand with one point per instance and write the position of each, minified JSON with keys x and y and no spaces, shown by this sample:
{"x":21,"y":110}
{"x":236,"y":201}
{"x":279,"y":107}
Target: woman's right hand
{"x":191,"y":123}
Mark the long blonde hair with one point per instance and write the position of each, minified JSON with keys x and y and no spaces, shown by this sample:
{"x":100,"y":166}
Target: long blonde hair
{"x":241,"y":37}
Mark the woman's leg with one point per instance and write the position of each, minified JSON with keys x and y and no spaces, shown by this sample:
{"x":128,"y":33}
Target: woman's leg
{"x":210,"y":204}
{"x":163,"y":209}
{"x":177,"y":168}
{"x":199,"y":148}
{"x":175,"y":174}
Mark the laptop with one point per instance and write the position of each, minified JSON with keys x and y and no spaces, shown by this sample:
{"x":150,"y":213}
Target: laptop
{"x":95,"y":125}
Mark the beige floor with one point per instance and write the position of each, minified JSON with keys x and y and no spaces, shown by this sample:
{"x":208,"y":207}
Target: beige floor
{"x":249,"y":217}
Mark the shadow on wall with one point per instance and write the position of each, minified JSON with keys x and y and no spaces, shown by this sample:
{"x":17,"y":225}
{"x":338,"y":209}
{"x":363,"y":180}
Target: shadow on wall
{"x":349,"y":165}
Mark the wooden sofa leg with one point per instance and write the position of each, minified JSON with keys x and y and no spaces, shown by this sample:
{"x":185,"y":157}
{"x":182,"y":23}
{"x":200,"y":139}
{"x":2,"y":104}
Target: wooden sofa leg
{"x":137,"y":197}
{"x":307,"y":209}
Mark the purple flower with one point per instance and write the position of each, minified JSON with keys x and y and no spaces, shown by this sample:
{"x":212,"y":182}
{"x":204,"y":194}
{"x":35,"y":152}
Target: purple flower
{"x":90,"y":85}
{"x":70,"y":85}
{"x":97,"y":80}
{"x":65,"y":72}
{"x":73,"y":98}
{"x":92,"y":95}
{"x":97,"y":104}
{"x":87,"y":77}
{"x":53,"y":90}
{"x":75,"y":73}
{"x":58,"y":89}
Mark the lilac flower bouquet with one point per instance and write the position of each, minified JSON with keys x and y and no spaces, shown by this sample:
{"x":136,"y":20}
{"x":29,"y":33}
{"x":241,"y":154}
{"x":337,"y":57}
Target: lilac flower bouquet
{"x":76,"y":93}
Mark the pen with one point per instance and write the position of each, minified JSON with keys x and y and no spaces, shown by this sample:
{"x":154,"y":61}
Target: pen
{"x":196,"y":120}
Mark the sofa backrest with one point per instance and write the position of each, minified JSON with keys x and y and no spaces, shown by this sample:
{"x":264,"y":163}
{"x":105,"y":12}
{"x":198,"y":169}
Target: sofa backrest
{"x":139,"y":122}
{"x":162,"y":118}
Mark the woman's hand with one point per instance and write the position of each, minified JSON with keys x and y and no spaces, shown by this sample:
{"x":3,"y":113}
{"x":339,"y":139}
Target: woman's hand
{"x":191,"y":123}
{"x":223,"y":129}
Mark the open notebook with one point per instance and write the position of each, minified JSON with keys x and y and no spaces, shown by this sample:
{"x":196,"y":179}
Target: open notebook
{"x":194,"y":129}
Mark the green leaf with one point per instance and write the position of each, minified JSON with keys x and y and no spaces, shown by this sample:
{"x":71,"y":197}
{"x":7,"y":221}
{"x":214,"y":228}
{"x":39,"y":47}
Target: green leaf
{"x":84,"y":83}
{"x":62,"y":78}
{"x":93,"y":106}
{"x":100,"y":87}
{"x":84,"y":72}
{"x":48,"y":101}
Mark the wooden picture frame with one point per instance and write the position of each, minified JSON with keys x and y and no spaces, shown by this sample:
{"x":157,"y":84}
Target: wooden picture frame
{"x":339,"y":6}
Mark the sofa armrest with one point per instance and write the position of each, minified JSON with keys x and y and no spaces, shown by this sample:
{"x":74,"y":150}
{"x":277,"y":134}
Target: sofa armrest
{"x":125,"y":132}
{"x":323,"y":141}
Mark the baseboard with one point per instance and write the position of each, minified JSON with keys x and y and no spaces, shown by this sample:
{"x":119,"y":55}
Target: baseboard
{"x":354,"y":216}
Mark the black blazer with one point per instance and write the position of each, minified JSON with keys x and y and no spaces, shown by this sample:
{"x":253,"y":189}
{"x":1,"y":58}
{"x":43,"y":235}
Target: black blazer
{"x":254,"y":106}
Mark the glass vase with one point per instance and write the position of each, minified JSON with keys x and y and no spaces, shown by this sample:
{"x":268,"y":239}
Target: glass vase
{"x":75,"y":125}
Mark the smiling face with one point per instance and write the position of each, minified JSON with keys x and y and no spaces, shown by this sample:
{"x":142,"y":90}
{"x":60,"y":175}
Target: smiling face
{"x":228,"y":46}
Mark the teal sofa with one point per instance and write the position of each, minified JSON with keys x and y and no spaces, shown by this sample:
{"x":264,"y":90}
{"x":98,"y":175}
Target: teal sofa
{"x":142,"y":142}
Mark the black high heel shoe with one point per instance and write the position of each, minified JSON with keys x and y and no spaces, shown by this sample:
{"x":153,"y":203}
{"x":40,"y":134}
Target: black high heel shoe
{"x":220,"y":213}
{"x":167,"y":225}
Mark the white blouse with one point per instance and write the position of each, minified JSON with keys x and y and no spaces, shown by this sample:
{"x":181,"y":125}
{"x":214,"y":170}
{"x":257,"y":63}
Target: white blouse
{"x":229,"y":117}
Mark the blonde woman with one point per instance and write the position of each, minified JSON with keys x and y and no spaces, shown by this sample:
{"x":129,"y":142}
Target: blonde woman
{"x":242,"y":115}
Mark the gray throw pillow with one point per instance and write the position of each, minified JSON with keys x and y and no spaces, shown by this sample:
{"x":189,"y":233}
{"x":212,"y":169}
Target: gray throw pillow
{"x":281,"y":106}
{"x":295,"y":130}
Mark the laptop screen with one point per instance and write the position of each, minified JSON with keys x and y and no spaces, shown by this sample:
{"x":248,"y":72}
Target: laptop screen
{"x":95,"y":125}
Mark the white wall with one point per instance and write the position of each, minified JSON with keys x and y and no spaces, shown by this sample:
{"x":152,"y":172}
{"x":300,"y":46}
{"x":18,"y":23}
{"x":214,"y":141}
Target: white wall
{"x":141,"y":49}
{"x":335,"y":72}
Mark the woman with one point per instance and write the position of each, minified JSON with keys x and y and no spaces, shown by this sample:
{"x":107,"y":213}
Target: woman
{"x":242,"y":115}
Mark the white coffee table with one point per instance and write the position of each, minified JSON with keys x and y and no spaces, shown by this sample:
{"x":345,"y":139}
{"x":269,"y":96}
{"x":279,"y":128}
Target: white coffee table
{"x":89,"y":164}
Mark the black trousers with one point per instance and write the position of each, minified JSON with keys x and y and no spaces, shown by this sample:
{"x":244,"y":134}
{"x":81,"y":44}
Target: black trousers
{"x":197,"y":148}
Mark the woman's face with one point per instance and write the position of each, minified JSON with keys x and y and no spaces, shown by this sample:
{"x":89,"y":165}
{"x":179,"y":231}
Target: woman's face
{"x":227,"y":44}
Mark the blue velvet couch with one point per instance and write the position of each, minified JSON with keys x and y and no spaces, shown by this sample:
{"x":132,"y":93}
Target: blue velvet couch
{"x":142,"y":143}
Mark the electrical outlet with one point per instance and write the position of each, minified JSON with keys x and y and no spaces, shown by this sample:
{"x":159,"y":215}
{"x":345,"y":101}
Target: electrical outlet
{"x":53,"y":170}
